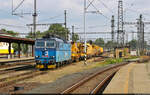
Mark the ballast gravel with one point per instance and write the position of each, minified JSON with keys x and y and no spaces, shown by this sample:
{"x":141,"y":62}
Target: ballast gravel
{"x":64,"y":82}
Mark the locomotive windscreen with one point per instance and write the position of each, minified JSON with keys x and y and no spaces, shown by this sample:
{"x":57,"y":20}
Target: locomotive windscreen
{"x":40,"y":44}
{"x":50,"y":44}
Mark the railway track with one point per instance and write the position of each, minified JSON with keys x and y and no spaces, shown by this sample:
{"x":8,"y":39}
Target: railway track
{"x":15,"y":63}
{"x":7,"y":81}
{"x":14,"y":69}
{"x":15,"y":66}
{"x":16,"y":77}
{"x":95,"y":83}
{"x":15,"y":74}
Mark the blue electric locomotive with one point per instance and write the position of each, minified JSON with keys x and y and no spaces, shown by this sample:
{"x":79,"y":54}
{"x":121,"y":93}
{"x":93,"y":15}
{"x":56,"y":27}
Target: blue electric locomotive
{"x":52,"y":52}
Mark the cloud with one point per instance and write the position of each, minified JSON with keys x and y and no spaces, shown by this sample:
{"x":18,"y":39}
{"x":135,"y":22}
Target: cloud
{"x":74,"y":5}
{"x":12,"y":24}
{"x":51,"y":8}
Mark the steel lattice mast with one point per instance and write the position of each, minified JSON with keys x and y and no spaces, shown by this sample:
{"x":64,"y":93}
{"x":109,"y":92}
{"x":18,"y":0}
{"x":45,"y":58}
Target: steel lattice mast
{"x":120,"y":36}
{"x":112,"y":28}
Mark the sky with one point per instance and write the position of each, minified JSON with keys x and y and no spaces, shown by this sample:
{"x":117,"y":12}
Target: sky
{"x":52,"y":11}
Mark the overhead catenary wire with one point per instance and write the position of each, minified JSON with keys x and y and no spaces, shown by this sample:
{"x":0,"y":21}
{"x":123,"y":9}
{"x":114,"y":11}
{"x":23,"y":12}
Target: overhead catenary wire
{"x":91,"y":3}
{"x":129,"y":8}
{"x":13,"y":10}
{"x":136,"y":11}
{"x":16,"y":26}
{"x":78,"y":28}
{"x":54,"y":17}
{"x":94,"y":33}
{"x":90,"y":27}
{"x":106,"y":6}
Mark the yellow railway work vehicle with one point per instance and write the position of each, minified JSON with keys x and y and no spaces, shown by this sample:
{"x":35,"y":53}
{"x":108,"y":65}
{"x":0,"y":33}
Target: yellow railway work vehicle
{"x":81,"y":50}
{"x":101,"y":50}
{"x":4,"y":48}
{"x":96,"y":50}
{"x":75,"y":51}
{"x":89,"y":51}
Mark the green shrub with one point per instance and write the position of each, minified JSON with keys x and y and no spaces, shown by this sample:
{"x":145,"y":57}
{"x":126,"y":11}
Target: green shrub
{"x":114,"y":61}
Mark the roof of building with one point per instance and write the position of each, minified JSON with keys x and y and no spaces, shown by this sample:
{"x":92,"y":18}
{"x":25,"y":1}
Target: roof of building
{"x":8,"y":38}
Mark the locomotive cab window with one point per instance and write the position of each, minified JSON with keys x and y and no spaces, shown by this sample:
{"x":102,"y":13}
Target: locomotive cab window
{"x":60,"y":45}
{"x":50,"y":44}
{"x":40,"y":44}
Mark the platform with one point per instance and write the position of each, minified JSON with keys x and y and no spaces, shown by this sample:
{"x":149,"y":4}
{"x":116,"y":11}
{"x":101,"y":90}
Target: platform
{"x":15,"y":59}
{"x":132,"y":78}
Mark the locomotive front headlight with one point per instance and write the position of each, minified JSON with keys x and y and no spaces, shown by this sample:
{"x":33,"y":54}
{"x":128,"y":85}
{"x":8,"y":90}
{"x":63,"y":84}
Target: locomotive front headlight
{"x":38,"y":61}
{"x":52,"y":57}
{"x":37,"y":56}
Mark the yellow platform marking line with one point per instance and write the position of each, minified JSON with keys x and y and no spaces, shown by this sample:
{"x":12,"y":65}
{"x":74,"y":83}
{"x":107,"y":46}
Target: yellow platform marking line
{"x":127,"y":78}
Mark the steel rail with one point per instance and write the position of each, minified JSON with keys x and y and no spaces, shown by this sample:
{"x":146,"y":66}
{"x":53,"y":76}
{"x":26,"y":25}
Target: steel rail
{"x":101,"y":84}
{"x":14,"y":69}
{"x":17,"y":75}
{"x":8,"y":83}
{"x":17,"y":61}
{"x":78,"y":84}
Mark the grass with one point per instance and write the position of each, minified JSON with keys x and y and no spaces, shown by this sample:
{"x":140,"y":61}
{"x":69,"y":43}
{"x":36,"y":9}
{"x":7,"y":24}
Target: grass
{"x":132,"y":57}
{"x":114,"y":61}
{"x":108,"y":62}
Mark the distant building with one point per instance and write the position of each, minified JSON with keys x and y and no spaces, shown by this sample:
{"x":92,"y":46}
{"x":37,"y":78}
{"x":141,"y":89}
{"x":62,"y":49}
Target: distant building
{"x":4,"y":46}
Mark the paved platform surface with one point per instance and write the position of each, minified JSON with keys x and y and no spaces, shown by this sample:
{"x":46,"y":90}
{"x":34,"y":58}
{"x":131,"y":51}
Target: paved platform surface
{"x":132,"y":78}
{"x":16,"y":59}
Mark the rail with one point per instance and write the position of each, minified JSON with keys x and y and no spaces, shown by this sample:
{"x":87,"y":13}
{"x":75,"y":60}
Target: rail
{"x":87,"y":79}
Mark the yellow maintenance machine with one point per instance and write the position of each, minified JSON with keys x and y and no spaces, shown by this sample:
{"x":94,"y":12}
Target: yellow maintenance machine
{"x":75,"y":51}
{"x":121,"y":52}
{"x":89,"y":51}
{"x":97,"y":50}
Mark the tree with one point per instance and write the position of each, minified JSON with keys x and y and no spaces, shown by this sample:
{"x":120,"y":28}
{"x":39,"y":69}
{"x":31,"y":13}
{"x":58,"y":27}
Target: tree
{"x":57,"y":29}
{"x":15,"y":46}
{"x":109,"y":45}
{"x":54,"y":29}
{"x":133,"y":44}
{"x":10,"y":32}
{"x":38,"y":35}
{"x":14,"y":34}
{"x":75,"y":37}
{"x":90,"y":41}
{"x":24,"y":48}
{"x":100,"y":42}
